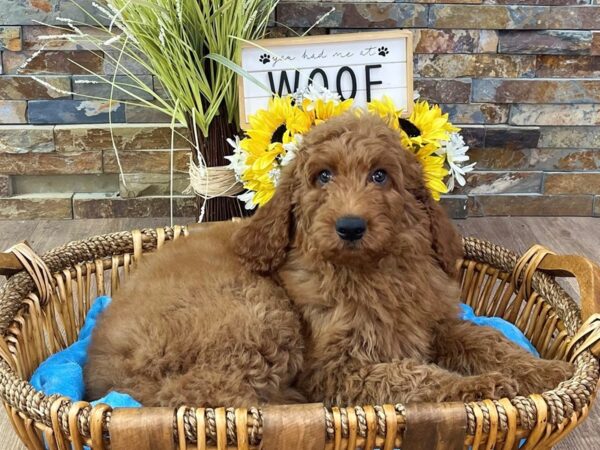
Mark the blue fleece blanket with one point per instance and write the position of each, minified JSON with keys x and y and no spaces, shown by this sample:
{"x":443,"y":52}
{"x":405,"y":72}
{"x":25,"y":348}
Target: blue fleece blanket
{"x":62,"y":373}
{"x":509,"y":331}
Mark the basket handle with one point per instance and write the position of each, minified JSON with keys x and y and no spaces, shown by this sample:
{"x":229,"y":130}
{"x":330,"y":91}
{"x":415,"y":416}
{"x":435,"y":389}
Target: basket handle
{"x":587,"y":275}
{"x":585,"y":272}
{"x":9,"y":263}
{"x":26,"y":258}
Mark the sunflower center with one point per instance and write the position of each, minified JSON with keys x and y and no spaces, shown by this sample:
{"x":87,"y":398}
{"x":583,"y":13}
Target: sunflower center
{"x":409,"y":128}
{"x":278,"y":134}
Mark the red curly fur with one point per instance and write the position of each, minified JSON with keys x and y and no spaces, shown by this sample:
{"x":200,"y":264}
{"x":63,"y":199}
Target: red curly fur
{"x":278,"y":308}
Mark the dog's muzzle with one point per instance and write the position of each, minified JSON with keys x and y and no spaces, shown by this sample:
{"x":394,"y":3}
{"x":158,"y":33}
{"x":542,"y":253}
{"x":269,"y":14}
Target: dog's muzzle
{"x":350,"y":228}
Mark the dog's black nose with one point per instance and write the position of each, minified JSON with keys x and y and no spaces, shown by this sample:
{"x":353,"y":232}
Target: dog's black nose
{"x":350,"y":228}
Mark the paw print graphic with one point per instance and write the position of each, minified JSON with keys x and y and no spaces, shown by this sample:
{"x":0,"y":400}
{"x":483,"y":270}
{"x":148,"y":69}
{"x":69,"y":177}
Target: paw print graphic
{"x":264,"y":58}
{"x":383,"y":51}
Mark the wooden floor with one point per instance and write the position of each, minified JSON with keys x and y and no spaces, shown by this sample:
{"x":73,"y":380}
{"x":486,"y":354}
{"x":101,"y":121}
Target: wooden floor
{"x":563,"y":235}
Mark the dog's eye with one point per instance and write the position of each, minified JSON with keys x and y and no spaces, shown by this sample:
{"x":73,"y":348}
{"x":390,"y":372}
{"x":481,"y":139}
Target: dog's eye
{"x":324,"y":176}
{"x":379,"y":176}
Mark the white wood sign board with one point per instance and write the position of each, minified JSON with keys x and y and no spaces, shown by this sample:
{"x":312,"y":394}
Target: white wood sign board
{"x":364,"y":66}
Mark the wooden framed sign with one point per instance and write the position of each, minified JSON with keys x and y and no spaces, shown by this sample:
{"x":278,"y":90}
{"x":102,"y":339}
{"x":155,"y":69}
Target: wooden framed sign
{"x":364,"y":66}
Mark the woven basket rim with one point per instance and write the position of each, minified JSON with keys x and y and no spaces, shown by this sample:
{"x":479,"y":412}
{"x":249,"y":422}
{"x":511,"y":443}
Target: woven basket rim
{"x":575,"y":394}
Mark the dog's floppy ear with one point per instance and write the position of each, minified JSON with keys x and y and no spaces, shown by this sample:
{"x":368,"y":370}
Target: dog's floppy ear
{"x":446,"y":242}
{"x":263,"y":239}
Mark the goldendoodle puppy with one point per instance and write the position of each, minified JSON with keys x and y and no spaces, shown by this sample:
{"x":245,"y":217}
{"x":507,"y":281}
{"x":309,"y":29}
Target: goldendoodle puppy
{"x":341,"y":289}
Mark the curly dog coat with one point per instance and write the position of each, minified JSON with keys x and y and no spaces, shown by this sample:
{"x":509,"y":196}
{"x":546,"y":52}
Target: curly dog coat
{"x":341,"y":289}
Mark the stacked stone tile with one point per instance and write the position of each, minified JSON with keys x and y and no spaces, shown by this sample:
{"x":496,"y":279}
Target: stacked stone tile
{"x":521,"y":77}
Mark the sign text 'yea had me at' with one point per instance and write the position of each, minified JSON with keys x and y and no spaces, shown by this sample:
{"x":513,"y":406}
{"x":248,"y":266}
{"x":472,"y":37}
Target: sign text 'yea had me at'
{"x":363,"y":66}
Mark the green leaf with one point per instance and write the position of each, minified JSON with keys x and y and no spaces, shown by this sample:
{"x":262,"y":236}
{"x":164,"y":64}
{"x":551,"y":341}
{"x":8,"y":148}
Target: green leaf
{"x":237,"y":69}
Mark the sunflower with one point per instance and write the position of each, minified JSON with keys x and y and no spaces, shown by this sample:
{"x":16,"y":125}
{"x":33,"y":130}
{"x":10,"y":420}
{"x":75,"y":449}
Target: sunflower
{"x":262,"y":187}
{"x":322,"y":110}
{"x":421,"y":134}
{"x":434,"y":171}
{"x":270,"y":131}
{"x":256,"y":177}
{"x":427,"y":125}
{"x":386,"y":109}
{"x":278,"y":123}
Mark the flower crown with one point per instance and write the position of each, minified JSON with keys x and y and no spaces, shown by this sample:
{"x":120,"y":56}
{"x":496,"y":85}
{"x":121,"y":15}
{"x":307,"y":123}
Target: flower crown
{"x":275,"y":134}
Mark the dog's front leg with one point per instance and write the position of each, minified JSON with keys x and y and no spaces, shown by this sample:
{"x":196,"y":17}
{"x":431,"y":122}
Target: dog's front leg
{"x":475,"y":350}
{"x":403,"y":381}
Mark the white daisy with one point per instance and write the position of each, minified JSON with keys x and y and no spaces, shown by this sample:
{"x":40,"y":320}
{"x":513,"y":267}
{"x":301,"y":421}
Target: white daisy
{"x":314,"y":93}
{"x":455,"y":151}
{"x":248,"y":199}
{"x":290,"y":150}
{"x":237,"y":161}
{"x":275,"y":175}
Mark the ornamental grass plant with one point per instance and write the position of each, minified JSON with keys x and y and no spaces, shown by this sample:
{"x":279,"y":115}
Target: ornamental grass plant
{"x":190,"y":47}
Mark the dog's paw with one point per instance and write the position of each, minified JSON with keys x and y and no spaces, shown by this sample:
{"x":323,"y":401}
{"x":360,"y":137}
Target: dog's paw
{"x":544,"y":376}
{"x":491,"y":386}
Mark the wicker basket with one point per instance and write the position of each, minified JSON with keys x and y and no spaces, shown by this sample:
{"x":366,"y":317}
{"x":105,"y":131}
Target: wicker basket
{"x":42,"y":309}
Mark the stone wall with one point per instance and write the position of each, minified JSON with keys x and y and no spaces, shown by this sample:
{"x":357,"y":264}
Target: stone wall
{"x":522,"y":77}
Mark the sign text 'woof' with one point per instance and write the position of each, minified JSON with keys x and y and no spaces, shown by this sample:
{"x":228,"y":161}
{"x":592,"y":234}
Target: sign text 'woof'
{"x":363,"y":66}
